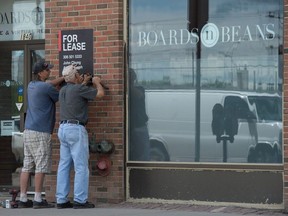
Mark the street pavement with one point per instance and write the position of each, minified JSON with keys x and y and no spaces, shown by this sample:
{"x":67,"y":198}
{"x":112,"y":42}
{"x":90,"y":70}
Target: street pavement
{"x":145,"y":209}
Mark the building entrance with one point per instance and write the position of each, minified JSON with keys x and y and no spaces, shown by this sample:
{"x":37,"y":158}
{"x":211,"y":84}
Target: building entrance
{"x":16,"y":63}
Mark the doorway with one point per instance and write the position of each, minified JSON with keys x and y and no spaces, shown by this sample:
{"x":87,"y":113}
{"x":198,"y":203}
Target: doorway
{"x":16,"y":62}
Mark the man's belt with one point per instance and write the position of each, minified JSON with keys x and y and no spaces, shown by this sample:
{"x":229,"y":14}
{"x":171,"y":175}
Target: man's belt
{"x":72,"y":122}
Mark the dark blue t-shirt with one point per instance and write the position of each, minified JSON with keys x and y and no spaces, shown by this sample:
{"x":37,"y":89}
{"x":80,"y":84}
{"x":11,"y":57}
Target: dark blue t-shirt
{"x":42,"y":97}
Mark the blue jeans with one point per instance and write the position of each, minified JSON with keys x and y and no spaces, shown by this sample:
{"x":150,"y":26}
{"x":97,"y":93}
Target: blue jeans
{"x":74,"y":149}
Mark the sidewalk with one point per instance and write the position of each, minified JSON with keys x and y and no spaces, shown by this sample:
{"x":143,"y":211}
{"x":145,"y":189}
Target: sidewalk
{"x":147,"y":209}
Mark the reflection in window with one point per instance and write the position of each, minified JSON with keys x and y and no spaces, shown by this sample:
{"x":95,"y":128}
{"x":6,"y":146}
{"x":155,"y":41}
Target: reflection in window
{"x":268,"y":108}
{"x":139,"y":137}
{"x":190,"y":55}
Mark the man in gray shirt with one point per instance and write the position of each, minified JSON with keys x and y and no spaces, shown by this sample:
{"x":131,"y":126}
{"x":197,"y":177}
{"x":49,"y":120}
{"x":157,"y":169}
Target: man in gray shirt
{"x":73,"y":136}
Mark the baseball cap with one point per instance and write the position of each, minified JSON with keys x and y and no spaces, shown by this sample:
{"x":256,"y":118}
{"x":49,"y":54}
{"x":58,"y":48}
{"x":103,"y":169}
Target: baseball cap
{"x":41,"y":66}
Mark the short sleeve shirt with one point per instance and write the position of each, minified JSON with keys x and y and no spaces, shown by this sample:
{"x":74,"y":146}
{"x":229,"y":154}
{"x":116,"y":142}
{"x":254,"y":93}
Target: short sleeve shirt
{"x":42,"y":97}
{"x":73,"y":99}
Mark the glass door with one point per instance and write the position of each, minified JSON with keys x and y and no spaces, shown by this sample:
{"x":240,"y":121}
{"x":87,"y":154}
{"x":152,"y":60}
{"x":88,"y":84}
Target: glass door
{"x":16,"y":65}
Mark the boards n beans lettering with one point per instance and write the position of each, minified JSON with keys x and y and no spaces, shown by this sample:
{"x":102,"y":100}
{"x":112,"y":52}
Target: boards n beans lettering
{"x":76,"y":46}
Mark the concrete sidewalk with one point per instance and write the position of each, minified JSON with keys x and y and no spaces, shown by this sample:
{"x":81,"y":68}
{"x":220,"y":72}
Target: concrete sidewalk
{"x":132,"y":209}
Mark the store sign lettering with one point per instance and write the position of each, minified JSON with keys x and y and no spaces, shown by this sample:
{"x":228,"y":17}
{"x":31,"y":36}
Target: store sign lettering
{"x":210,"y":35}
{"x":22,"y":17}
{"x":11,"y":18}
{"x":9,"y":83}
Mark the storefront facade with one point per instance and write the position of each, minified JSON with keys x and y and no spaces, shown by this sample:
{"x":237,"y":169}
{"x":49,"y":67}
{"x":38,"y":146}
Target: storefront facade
{"x":196,"y":101}
{"x":209,"y":73}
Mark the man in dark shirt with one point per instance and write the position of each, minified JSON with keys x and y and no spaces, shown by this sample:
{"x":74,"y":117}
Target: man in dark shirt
{"x":73,"y":136}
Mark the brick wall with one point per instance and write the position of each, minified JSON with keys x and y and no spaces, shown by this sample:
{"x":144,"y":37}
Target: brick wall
{"x":105,"y":17}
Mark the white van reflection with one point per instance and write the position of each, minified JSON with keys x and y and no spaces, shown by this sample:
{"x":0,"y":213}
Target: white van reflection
{"x":251,"y":121}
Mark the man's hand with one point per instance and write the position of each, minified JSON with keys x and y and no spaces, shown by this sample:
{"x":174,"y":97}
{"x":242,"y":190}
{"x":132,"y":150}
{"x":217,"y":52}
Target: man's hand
{"x":86,"y":79}
{"x":97,"y":84}
{"x":96,"y":80}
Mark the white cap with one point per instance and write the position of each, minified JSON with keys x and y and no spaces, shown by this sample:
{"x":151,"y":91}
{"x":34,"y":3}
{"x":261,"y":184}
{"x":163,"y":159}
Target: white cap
{"x":70,"y":71}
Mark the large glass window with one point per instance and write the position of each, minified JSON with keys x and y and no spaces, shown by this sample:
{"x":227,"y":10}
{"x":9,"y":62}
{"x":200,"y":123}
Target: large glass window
{"x":205,"y":80}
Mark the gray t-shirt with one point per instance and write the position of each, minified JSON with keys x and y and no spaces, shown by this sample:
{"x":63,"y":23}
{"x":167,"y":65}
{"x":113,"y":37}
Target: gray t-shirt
{"x":73,"y":99}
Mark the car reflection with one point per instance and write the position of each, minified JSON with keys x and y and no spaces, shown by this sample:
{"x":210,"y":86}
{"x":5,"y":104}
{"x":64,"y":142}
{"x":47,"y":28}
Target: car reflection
{"x":252,"y":134}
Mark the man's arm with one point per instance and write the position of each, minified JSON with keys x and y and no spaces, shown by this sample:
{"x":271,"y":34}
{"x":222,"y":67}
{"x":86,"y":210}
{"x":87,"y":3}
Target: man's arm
{"x":97,"y":84}
{"x":57,"y":81}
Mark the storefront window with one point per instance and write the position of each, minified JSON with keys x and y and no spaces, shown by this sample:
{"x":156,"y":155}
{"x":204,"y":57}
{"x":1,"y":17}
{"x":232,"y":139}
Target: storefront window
{"x":205,"y":80}
{"x":22,"y":20}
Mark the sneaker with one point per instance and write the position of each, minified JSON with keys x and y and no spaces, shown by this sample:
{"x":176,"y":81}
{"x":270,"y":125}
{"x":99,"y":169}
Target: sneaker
{"x":78,"y":205}
{"x":42,"y":204}
{"x":64,"y":205}
{"x":28,"y":204}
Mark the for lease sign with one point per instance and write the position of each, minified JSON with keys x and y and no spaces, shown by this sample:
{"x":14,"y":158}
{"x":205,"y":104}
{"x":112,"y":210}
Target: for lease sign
{"x":76,"y":46}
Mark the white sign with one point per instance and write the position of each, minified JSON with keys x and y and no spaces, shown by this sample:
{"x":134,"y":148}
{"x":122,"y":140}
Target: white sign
{"x":7,"y":127}
{"x":19,"y":106}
